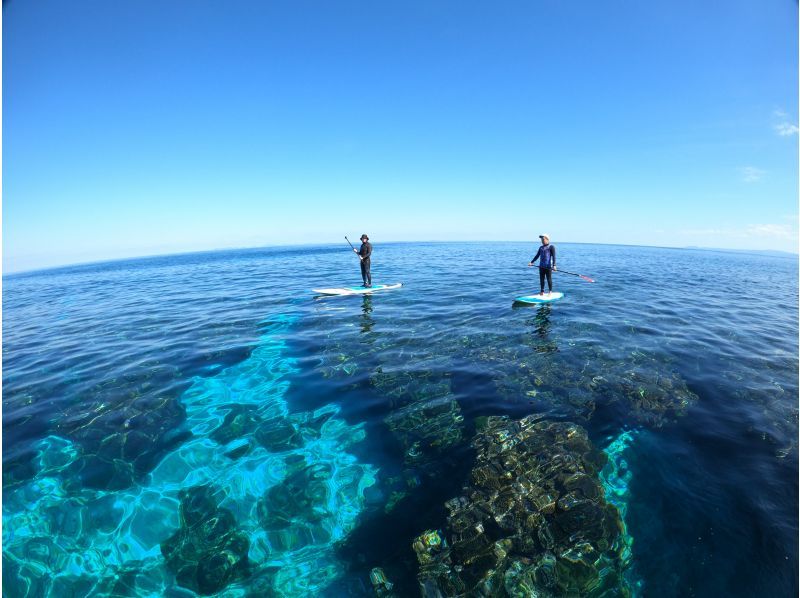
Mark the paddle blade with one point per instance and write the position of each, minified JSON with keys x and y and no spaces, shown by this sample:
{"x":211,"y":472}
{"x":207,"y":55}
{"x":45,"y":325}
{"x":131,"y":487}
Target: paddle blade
{"x":586,"y":278}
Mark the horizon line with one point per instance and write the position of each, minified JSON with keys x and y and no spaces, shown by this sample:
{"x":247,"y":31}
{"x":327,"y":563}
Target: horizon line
{"x":763,"y":252}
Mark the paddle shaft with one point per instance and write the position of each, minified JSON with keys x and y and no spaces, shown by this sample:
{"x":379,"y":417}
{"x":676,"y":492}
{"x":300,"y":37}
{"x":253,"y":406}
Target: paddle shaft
{"x":351,"y":245}
{"x":565,"y":272}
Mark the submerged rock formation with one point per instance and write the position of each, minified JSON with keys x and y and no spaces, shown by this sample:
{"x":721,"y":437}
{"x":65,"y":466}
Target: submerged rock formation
{"x":208,"y":551}
{"x":533,"y":520}
{"x":426,"y":430}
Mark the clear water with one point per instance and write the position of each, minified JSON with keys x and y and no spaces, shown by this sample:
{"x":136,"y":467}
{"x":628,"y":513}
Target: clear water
{"x":202,"y":424}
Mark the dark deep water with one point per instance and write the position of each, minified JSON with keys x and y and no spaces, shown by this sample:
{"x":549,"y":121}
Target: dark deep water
{"x":202,"y":424}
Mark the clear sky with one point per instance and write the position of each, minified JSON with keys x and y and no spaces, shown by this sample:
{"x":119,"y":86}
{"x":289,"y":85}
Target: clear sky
{"x":136,"y":128}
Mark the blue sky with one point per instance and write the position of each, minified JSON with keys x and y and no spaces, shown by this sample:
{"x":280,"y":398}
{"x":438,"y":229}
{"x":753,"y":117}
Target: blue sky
{"x":138,"y":128}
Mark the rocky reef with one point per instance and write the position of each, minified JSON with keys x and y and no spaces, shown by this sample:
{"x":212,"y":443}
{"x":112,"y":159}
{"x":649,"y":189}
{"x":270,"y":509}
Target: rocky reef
{"x":207,"y":552}
{"x":426,"y":430}
{"x":532,"y":521}
{"x":640,"y":386}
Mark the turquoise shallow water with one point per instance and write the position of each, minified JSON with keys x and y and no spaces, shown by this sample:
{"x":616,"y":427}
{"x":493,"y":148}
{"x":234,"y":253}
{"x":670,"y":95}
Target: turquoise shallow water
{"x":203,"y":425}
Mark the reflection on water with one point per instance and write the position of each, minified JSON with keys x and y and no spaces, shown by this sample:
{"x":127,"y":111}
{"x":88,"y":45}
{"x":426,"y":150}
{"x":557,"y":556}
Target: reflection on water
{"x":541,"y":325}
{"x":366,"y":320}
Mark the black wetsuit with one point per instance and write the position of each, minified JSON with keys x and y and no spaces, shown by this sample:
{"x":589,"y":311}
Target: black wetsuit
{"x":548,"y":255}
{"x":365,"y":252}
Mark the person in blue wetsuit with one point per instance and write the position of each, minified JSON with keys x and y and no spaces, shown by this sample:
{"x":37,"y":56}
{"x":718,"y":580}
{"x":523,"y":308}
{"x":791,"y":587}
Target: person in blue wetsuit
{"x":547,"y":263}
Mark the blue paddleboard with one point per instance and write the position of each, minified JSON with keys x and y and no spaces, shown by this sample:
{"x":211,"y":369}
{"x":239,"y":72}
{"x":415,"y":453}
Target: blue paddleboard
{"x":536,"y":299}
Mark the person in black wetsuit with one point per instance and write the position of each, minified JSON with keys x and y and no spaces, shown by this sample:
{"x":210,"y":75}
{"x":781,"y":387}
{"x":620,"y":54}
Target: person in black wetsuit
{"x":547,"y":265}
{"x":364,"y":253}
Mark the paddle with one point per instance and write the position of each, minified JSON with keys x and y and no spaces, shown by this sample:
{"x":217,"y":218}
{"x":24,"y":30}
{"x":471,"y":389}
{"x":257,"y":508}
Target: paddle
{"x":565,"y":272}
{"x":351,"y":245}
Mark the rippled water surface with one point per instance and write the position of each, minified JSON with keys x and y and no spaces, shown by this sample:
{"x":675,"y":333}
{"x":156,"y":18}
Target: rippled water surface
{"x":204,"y":425}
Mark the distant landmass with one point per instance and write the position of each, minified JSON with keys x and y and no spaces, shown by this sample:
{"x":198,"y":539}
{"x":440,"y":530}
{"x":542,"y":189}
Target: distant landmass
{"x":771,"y":252}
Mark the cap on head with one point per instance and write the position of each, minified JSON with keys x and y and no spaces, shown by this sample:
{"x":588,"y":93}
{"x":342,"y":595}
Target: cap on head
{"x":545,"y":236}
{"x":364,"y":236}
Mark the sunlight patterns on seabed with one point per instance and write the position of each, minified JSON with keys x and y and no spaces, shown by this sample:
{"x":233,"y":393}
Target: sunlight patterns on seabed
{"x":255,"y":492}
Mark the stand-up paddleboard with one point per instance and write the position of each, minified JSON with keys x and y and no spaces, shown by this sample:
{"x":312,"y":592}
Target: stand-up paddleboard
{"x":537,"y":299}
{"x":358,"y":290}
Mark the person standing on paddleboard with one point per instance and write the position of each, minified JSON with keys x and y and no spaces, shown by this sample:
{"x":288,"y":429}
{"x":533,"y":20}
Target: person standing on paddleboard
{"x":364,"y":253}
{"x":547,"y":265}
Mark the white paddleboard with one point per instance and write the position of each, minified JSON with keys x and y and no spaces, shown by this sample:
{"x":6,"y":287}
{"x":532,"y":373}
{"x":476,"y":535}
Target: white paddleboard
{"x":358,"y":290}
{"x":535,"y":299}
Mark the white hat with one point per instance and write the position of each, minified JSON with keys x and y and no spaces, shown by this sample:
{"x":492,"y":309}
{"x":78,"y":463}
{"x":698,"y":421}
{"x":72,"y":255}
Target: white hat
{"x":544,"y":236}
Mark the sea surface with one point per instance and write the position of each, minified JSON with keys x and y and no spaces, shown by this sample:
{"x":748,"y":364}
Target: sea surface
{"x":204,"y":424}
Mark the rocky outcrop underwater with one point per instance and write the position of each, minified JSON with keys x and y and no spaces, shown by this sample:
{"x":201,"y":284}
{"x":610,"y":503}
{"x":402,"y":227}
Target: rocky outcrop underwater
{"x":533,"y":519}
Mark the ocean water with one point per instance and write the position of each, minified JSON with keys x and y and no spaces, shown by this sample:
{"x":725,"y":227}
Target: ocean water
{"x":204,"y":425}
